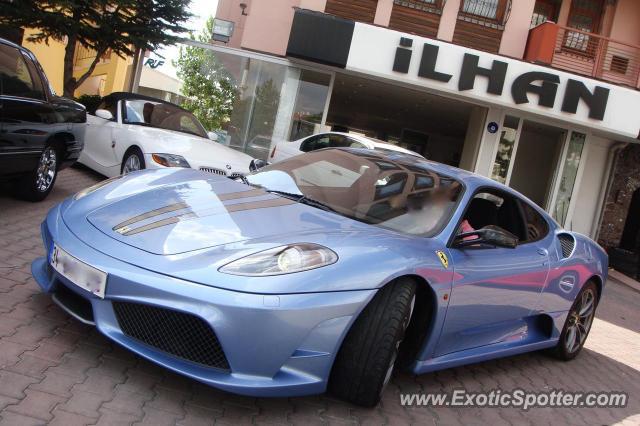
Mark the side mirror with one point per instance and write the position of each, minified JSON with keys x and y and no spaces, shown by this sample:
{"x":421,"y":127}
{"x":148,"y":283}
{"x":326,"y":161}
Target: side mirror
{"x":213,"y":136}
{"x":489,"y":235}
{"x":104,"y":114}
{"x":257,"y":164}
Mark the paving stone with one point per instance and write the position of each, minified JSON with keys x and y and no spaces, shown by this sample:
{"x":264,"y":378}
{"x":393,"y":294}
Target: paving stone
{"x":36,"y":404}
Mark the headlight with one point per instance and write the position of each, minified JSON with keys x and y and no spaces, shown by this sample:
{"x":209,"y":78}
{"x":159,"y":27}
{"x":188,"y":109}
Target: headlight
{"x":282,"y":260}
{"x":170,"y":160}
{"x":95,"y":187}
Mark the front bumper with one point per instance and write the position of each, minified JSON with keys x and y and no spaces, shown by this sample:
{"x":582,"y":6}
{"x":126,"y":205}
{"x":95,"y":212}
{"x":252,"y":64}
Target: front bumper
{"x":276,"y":345}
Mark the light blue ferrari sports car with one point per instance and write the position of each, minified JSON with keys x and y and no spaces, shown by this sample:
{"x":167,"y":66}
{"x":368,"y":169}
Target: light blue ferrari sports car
{"x":322,"y":272}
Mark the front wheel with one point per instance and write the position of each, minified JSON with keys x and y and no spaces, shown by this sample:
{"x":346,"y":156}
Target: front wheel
{"x":133,"y":161}
{"x":36,"y":185}
{"x":578,"y":323}
{"x":367,"y":357}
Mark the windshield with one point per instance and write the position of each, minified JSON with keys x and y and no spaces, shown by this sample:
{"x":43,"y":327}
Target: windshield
{"x":162,"y":116}
{"x":402,"y":195}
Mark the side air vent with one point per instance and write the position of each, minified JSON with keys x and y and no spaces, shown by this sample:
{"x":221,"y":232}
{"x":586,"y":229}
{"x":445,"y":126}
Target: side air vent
{"x":568,"y":243}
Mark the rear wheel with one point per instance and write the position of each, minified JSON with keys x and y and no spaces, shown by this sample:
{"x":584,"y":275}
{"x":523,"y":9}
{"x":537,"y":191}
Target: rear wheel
{"x":578,"y":323}
{"x":133,"y":161}
{"x":365,"y":362}
{"x":36,"y":185}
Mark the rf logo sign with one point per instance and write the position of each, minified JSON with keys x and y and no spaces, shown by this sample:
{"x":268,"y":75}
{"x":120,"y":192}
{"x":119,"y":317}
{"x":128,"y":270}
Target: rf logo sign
{"x":443,"y":258}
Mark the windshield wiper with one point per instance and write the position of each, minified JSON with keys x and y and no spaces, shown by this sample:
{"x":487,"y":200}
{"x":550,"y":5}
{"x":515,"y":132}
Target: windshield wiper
{"x":303,"y":199}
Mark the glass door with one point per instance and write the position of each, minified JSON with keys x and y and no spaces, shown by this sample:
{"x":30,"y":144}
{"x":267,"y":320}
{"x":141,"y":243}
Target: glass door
{"x":566,"y":185}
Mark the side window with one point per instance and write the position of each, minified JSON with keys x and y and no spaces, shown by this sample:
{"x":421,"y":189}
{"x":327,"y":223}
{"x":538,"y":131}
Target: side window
{"x":110,"y":105}
{"x":38,"y":84}
{"x":497,"y":209}
{"x":315,"y":143}
{"x":15,"y":77}
{"x":338,"y":141}
{"x":537,"y":227}
{"x":352,"y":143}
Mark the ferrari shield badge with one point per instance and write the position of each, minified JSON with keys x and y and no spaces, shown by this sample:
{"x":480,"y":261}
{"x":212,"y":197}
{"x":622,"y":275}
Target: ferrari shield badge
{"x":443,"y":258}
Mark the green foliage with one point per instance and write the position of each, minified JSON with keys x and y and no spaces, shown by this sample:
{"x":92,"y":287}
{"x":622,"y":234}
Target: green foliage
{"x":209,"y":89}
{"x":123,"y":26}
{"x":90,"y":102}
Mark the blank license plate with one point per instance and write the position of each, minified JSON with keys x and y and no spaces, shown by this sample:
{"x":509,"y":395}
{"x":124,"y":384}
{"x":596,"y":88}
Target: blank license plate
{"x":79,"y":273}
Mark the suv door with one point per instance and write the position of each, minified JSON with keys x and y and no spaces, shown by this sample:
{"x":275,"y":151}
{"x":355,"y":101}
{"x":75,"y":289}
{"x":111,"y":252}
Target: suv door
{"x":27,"y":119}
{"x":496,"y":290}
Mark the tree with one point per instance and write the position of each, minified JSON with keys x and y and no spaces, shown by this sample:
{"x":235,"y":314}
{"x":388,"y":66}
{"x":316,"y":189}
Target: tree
{"x":208,"y":87}
{"x":121,"y":26}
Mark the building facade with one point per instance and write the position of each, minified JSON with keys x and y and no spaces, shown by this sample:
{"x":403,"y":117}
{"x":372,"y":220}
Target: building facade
{"x":539,"y":94}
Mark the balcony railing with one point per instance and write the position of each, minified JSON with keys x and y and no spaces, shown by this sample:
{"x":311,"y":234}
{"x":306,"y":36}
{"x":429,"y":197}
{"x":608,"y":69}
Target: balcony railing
{"x":584,"y":53}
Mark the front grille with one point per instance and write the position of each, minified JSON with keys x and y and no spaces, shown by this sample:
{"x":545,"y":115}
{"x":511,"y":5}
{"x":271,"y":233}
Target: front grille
{"x":213,"y":170}
{"x":177,"y":333}
{"x":567,"y":242}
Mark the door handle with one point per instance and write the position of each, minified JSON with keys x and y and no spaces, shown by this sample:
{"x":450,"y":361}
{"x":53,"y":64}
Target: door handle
{"x":113,"y":144}
{"x":543,"y":252}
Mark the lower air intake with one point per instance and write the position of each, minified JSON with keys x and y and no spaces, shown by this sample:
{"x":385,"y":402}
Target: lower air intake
{"x":177,"y":333}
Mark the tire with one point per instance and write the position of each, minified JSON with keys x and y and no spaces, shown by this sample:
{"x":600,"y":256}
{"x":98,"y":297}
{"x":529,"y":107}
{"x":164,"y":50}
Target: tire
{"x":132,"y":158}
{"x":37,"y":184}
{"x":577,"y":325}
{"x":366,"y":359}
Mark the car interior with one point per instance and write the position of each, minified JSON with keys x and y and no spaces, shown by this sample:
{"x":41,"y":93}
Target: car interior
{"x":497,"y":209}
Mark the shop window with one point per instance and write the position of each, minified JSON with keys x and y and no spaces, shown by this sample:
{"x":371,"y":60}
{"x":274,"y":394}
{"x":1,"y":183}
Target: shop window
{"x":250,"y":103}
{"x":310,"y":103}
{"x":545,"y":10}
{"x":569,"y":175}
{"x":506,"y":147}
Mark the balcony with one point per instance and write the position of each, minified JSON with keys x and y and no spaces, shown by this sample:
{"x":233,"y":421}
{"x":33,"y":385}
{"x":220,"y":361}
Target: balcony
{"x":584,"y":53}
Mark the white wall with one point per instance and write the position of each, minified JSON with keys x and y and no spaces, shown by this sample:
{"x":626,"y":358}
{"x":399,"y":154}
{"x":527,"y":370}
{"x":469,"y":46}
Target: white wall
{"x":473,"y":138}
{"x":487,"y":152}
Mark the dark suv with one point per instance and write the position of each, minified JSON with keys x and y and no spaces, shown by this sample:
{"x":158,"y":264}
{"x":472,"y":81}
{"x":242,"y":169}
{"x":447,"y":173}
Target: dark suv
{"x":40,"y":133}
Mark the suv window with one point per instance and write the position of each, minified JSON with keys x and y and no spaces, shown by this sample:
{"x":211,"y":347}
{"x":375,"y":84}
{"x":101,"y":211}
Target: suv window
{"x":15,"y":77}
{"x":537,"y":227}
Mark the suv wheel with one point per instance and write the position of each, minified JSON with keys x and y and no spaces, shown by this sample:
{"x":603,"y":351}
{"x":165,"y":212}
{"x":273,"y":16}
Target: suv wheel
{"x":36,"y":185}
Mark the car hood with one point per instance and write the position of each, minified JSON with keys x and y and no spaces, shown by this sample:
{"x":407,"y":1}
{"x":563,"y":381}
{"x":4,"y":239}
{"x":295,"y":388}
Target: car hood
{"x":199,"y":152}
{"x":184,"y":210}
{"x":209,"y":221}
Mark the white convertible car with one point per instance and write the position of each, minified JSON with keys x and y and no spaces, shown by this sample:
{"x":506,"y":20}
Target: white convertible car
{"x":132,"y":132}
{"x":286,"y":149}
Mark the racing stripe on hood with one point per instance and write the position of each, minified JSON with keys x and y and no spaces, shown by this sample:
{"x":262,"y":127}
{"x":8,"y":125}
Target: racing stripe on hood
{"x":125,"y":226}
{"x":157,"y":212}
{"x":190,"y":214}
